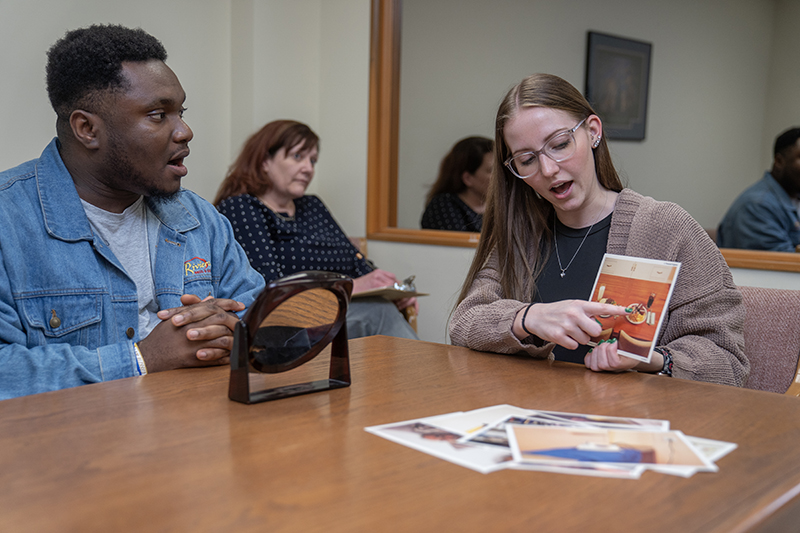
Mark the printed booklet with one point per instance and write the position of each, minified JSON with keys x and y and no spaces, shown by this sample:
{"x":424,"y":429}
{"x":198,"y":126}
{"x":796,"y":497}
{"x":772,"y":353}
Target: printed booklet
{"x":643,"y":285}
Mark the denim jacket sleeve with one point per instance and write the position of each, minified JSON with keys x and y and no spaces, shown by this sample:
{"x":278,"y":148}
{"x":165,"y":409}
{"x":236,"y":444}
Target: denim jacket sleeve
{"x":26,"y":369}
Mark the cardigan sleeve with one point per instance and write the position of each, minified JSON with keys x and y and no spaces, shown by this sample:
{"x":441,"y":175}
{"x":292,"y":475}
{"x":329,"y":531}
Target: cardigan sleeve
{"x":704,"y":328}
{"x":483,"y":320}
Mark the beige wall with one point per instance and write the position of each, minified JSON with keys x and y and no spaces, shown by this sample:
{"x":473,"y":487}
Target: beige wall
{"x":287,"y":64}
{"x":245,"y":62}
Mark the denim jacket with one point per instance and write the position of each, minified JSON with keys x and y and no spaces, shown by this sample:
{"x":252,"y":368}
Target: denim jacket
{"x":761,"y":218}
{"x":68,"y":310}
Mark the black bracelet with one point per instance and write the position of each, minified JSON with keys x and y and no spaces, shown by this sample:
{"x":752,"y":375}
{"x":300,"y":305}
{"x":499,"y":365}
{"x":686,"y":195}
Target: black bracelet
{"x":524,"y":316}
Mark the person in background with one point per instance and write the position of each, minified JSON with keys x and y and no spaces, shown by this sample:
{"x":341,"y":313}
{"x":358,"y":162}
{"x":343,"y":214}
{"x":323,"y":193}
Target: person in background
{"x":284,"y":231}
{"x":556,"y":206}
{"x":765,"y":215}
{"x":108,"y":268}
{"x":457,"y":200}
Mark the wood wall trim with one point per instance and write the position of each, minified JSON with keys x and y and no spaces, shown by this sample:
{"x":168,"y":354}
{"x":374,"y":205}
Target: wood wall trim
{"x":384,"y":105}
{"x":759,"y":260}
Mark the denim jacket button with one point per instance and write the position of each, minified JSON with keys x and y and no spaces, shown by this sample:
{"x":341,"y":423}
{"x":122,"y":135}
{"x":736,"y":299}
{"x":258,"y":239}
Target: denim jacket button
{"x":55,"y":322}
{"x":130,"y":333}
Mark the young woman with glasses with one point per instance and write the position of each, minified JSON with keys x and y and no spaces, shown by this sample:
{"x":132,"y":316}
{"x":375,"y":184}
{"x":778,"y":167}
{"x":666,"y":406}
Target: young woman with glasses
{"x":556,"y":205}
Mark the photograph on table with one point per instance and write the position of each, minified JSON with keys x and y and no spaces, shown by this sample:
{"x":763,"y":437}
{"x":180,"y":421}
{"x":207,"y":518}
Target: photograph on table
{"x":425,"y":437}
{"x":570,"y":445}
{"x":496,"y":435}
{"x":644,"y":286}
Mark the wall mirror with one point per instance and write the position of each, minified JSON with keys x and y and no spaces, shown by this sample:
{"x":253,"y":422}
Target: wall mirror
{"x":384,"y":153}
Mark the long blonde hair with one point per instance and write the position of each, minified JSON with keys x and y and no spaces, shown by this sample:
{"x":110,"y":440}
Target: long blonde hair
{"x":515,"y":224}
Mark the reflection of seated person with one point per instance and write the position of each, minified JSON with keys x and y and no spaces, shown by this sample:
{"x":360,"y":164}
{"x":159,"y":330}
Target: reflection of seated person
{"x":281,"y":345}
{"x":283,"y":230}
{"x":765,"y":215}
{"x":456,"y":201}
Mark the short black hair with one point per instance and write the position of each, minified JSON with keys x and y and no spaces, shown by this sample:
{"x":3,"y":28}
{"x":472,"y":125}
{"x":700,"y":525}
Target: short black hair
{"x":785,"y":140}
{"x":89,"y":60}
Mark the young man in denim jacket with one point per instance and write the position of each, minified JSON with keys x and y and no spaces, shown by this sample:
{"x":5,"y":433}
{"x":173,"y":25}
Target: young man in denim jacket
{"x":108,"y":268}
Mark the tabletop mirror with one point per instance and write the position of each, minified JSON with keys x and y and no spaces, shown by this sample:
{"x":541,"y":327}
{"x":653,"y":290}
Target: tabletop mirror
{"x":289,"y":324}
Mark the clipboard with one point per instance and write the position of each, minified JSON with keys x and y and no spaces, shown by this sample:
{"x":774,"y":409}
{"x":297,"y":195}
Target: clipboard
{"x":390,"y":293}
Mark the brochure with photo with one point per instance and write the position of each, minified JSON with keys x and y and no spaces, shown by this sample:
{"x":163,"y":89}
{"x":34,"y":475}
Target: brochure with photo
{"x":713,"y":450}
{"x":585,"y":469}
{"x":441,"y":443}
{"x":470,"y":422}
{"x":496,"y":435}
{"x":618,"y":422}
{"x":571,"y":445}
{"x":642,"y":285}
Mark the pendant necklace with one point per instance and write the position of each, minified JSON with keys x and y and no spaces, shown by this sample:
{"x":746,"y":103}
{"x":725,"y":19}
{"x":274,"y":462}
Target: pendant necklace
{"x":555,"y":239}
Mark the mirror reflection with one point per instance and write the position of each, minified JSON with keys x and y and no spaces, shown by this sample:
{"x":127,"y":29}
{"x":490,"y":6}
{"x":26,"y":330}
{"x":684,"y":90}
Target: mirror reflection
{"x":457,"y":200}
{"x":293,"y":329}
{"x":457,"y":59}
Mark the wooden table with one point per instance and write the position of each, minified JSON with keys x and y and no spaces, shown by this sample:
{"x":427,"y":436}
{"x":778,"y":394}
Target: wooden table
{"x":170,"y":452}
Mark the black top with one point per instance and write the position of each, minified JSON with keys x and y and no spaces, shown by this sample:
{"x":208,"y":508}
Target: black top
{"x":449,"y":212}
{"x":579,"y":278}
{"x":278,"y":245}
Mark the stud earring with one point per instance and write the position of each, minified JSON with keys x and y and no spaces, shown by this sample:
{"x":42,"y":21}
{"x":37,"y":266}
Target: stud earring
{"x":596,"y":142}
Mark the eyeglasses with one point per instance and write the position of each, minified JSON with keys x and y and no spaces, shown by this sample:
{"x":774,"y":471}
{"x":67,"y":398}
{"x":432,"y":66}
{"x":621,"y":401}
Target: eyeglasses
{"x":559,"y":148}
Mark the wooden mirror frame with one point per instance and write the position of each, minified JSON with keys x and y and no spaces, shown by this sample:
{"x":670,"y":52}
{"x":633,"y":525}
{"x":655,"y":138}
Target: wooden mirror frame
{"x":382,"y":150}
{"x":384,"y":105}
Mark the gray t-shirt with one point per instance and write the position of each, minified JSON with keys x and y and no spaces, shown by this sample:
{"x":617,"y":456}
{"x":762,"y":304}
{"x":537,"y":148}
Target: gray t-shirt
{"x":126,"y":235}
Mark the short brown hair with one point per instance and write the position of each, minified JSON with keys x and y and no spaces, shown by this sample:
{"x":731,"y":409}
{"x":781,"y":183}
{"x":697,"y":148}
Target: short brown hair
{"x":246,"y":175}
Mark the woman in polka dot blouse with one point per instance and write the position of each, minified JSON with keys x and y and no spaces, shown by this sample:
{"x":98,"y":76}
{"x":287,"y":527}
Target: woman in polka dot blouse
{"x":456,"y":201}
{"x":283,"y":230}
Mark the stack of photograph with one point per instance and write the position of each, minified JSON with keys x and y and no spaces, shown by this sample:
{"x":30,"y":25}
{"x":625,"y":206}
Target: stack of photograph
{"x":504,"y":436}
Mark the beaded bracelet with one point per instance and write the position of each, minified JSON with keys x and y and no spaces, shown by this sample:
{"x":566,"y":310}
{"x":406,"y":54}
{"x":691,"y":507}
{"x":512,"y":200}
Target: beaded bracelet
{"x":140,"y":366}
{"x":666,"y":370}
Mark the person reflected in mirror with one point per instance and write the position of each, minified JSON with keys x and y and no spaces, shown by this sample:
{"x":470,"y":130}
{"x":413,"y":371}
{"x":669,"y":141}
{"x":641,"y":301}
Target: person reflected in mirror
{"x":457,"y":199}
{"x":556,"y":206}
{"x":765,"y":216}
{"x":108,"y":268}
{"x":283,"y":230}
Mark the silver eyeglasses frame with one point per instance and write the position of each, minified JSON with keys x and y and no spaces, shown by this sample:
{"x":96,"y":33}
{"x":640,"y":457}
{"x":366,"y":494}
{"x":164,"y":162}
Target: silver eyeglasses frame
{"x":544,"y":151}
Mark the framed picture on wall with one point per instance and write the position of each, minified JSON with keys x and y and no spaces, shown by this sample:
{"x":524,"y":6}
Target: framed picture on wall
{"x":617,"y":82}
